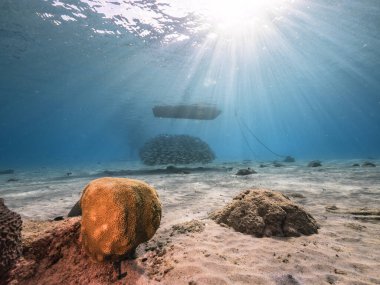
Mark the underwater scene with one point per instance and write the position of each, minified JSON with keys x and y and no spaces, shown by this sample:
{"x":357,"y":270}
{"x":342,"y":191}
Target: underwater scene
{"x":190,"y":142}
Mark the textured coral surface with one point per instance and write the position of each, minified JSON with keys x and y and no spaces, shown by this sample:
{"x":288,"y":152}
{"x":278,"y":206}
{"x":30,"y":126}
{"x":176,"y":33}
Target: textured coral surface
{"x":263,"y":212}
{"x":10,"y":238}
{"x":175,"y":149}
{"x":55,"y":256}
{"x":117,"y":215}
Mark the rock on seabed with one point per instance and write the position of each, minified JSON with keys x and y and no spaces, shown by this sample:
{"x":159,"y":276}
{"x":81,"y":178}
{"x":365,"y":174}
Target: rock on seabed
{"x":262,"y":212}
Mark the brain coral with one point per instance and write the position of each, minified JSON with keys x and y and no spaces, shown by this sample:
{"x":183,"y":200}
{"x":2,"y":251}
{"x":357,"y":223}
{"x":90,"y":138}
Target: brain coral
{"x":175,"y":149}
{"x":10,"y":237}
{"x":262,"y":212}
{"x":117,"y":215}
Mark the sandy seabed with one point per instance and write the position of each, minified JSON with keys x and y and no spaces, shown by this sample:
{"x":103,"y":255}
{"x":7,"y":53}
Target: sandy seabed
{"x":345,"y":251}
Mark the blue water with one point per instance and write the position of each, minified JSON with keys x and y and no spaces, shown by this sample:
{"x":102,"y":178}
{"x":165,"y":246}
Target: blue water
{"x":78,"y":79}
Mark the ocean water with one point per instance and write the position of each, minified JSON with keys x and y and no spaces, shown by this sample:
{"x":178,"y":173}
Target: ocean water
{"x":78,"y":79}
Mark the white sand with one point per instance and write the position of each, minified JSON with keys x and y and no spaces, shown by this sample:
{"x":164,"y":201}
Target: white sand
{"x":346,"y":251}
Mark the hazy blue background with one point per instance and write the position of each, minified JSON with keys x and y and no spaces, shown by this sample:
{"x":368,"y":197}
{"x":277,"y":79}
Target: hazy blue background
{"x":77,"y":83}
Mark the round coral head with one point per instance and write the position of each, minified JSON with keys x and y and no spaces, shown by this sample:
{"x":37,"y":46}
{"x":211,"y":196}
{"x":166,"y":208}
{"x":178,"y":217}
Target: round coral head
{"x":117,"y":215}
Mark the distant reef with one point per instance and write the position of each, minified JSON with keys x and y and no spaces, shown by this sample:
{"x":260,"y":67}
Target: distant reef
{"x":175,"y":149}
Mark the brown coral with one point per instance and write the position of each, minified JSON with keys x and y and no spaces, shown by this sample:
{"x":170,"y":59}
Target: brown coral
{"x":10,"y":238}
{"x":263,"y":212}
{"x":52,"y":254}
{"x":117,"y":215}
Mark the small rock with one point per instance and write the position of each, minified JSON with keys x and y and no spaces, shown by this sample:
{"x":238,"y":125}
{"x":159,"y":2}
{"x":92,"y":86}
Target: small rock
{"x":277,"y":164}
{"x":338,"y":271}
{"x":296,"y":195}
{"x":286,"y":279}
{"x":247,"y":171}
{"x":331,"y":279}
{"x":173,"y":169}
{"x":314,"y":163}
{"x":193,"y":226}
{"x":289,"y":159}
{"x":355,"y":165}
{"x":331,"y":208}
{"x":354,"y":226}
{"x":12,"y":180}
{"x":59,"y":218}
{"x":7,"y":171}
{"x":368,"y":164}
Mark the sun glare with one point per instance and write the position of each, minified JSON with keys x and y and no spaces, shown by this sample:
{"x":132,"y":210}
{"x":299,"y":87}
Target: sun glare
{"x":232,"y":14}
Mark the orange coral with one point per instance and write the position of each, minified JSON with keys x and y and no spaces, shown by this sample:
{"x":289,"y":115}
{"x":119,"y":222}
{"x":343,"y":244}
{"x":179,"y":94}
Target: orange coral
{"x":117,"y":215}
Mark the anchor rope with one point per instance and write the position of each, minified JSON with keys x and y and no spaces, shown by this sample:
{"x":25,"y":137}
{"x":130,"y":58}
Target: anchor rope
{"x":241,"y":122}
